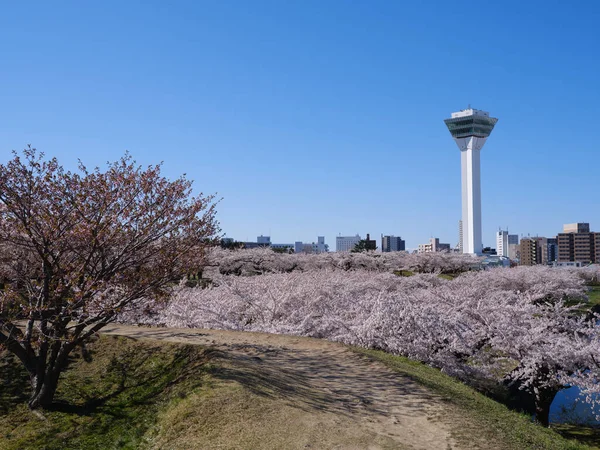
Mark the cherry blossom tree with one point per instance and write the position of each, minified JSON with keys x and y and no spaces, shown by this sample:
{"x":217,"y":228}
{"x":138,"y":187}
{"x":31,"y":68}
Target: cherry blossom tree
{"x":77,"y":247}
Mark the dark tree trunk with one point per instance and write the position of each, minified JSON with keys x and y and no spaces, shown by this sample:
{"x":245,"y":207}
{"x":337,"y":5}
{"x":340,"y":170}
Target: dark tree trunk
{"x":543,"y":400}
{"x":44,"y":379}
{"x":43,"y":392}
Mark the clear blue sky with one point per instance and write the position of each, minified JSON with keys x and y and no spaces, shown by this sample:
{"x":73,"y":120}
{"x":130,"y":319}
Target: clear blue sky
{"x":319,"y":117}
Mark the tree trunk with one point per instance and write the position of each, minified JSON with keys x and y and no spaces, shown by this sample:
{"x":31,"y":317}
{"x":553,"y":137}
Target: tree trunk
{"x":543,"y":400}
{"x":43,"y":391}
{"x":44,"y":380}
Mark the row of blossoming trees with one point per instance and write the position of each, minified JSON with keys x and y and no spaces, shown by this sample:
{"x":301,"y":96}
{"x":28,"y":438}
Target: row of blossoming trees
{"x":510,"y":326}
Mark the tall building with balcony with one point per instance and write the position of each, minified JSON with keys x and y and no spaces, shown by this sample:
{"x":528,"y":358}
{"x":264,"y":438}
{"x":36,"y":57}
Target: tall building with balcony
{"x":531,"y":253}
{"x":392,"y":244}
{"x":577,"y":243}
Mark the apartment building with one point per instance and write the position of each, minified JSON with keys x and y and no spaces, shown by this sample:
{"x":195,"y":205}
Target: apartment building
{"x":577,"y":243}
{"x":433,"y":245}
{"x":531,"y":253}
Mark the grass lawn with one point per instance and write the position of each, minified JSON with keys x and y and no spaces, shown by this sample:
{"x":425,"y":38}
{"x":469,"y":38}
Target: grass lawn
{"x":486,"y":419}
{"x":113,"y":401}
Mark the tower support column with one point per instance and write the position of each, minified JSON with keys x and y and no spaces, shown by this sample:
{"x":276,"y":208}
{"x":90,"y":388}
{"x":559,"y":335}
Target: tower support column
{"x":470,"y":129}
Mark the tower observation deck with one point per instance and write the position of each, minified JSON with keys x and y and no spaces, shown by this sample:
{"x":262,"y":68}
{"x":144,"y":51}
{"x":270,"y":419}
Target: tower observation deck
{"x":470,"y":128}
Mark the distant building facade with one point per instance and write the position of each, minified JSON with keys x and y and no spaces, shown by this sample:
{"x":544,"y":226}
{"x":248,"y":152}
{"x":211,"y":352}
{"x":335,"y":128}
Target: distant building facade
{"x":265,"y":240}
{"x":577,"y":243}
{"x":287,"y":247}
{"x":576,"y":228}
{"x":316,"y":247}
{"x":346,"y":243}
{"x":392,"y":244}
{"x":514,"y":251}
{"x":531,"y":254}
{"x":433,"y":245}
{"x":504,"y":241}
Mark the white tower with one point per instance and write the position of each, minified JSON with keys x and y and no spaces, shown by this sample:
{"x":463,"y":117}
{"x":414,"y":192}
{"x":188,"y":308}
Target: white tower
{"x":470,"y":129}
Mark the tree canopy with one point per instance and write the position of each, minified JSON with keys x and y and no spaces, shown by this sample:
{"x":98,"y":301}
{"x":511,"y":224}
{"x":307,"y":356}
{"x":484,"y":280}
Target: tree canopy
{"x":77,"y":247}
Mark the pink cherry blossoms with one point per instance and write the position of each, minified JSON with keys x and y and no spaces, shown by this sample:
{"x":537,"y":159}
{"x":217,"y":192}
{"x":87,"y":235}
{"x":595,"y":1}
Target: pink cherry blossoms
{"x":507,"y":325}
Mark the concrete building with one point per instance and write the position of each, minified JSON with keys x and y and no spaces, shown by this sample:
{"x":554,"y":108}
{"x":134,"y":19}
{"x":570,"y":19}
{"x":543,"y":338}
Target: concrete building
{"x":316,"y":247}
{"x":287,"y":247}
{"x":346,"y":243}
{"x":576,"y":228}
{"x":470,"y":128}
{"x":392,"y":244}
{"x":531,"y":254}
{"x":503,"y":242}
{"x":265,"y":240}
{"x":433,"y":246}
{"x":514,"y":251}
{"x":551,"y":250}
{"x":577,"y":243}
{"x":460,"y":236}
{"x":547,"y":249}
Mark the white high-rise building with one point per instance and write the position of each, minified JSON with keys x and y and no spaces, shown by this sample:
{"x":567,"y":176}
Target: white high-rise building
{"x":470,"y":128}
{"x":346,"y":243}
{"x":504,"y":241}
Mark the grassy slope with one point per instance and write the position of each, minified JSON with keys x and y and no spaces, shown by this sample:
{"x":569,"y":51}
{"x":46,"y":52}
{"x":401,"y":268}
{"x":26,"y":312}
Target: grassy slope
{"x":110,"y":402}
{"x":485,"y":419}
{"x":148,"y":395}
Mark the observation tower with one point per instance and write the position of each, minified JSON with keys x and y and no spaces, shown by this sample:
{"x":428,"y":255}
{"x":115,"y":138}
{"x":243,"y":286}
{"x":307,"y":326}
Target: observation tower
{"x":470,"y":128}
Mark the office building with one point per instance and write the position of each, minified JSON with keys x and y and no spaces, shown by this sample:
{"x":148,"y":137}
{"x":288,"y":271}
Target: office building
{"x":470,"y":128}
{"x":346,"y":243}
{"x":504,"y":241}
{"x":392,"y":244}
{"x":263,"y":240}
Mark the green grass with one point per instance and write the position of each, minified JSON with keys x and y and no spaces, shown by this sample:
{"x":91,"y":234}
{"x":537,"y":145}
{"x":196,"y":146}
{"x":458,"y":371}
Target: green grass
{"x":482,"y":420}
{"x":404,"y":273}
{"x":594,"y":295}
{"x":113,"y":401}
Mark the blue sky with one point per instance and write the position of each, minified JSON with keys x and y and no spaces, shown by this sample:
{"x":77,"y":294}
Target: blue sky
{"x":319,"y":117}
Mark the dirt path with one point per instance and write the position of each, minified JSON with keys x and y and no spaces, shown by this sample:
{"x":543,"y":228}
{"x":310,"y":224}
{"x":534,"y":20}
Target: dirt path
{"x":345,"y":400}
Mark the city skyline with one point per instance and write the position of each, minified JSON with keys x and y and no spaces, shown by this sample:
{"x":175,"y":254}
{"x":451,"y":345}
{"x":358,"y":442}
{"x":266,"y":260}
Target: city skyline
{"x":314,"y":120}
